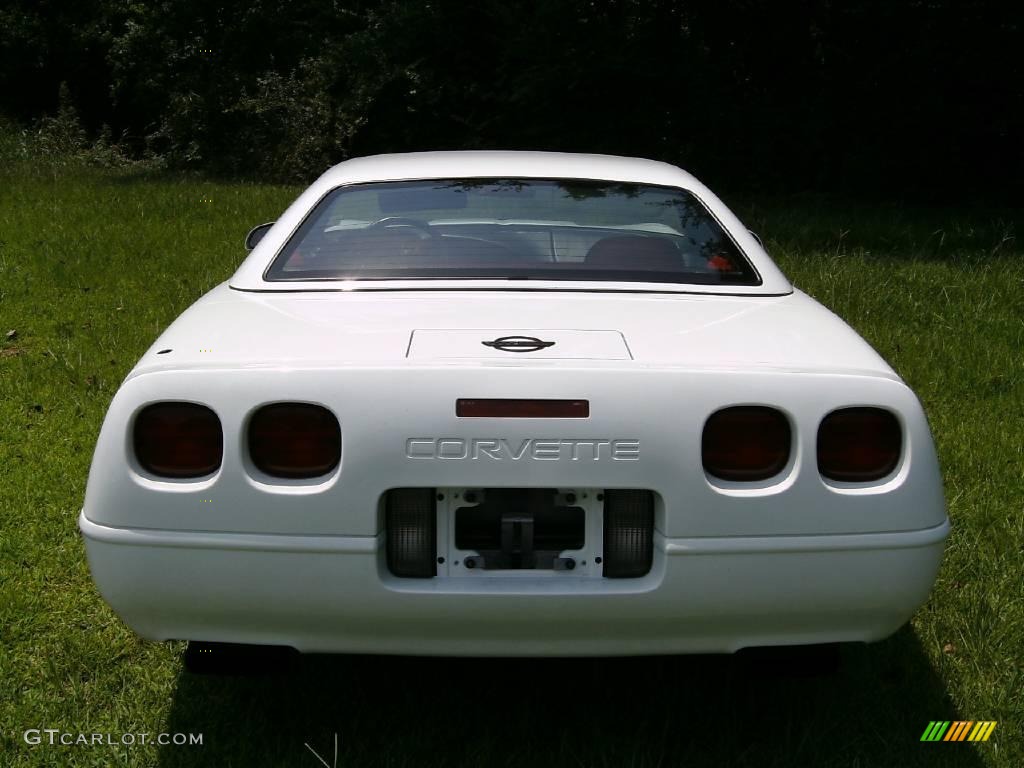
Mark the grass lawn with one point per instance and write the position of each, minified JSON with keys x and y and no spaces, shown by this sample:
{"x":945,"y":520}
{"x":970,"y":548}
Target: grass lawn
{"x":94,"y":264}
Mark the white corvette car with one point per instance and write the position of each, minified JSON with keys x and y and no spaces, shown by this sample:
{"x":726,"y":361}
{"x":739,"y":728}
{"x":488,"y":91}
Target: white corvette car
{"x":512,"y":403}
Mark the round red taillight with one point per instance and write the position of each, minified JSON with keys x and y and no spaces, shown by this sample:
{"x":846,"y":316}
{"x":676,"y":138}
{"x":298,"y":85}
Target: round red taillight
{"x":746,"y":443}
{"x":294,"y":440}
{"x":858,"y":445}
{"x":178,"y":440}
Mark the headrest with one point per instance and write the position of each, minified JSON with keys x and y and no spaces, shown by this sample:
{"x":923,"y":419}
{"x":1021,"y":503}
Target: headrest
{"x":634,"y":252}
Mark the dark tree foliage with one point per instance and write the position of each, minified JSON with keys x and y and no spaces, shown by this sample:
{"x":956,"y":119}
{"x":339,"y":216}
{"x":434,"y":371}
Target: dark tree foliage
{"x":876,"y":95}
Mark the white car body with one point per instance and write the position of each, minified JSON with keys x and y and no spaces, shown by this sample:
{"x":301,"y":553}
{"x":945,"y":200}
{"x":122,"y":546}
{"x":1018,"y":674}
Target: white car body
{"x":244,"y":558}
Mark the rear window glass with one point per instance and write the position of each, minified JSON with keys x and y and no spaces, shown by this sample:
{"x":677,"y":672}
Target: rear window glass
{"x":512,"y":228}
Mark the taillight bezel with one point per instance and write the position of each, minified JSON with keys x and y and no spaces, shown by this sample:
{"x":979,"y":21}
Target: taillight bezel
{"x":143,"y":457}
{"x":276,"y":473}
{"x":768,"y":472}
{"x":882,"y":472}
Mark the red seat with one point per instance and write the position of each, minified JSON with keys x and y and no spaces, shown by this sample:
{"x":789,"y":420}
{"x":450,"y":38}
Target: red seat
{"x":634,"y":252}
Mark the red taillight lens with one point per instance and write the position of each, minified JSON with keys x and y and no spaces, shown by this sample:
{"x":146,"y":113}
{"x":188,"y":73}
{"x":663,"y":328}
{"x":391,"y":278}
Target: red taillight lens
{"x":294,"y":440}
{"x":178,"y":440}
{"x":746,"y":443}
{"x":858,"y":445}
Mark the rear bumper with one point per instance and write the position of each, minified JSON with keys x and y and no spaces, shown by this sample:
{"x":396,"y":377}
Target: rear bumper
{"x":332,"y":594}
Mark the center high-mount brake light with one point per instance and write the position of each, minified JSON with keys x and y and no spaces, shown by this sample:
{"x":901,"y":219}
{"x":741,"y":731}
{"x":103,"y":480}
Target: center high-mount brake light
{"x":522,"y":409}
{"x":178,"y":440}
{"x":746,"y":443}
{"x":294,"y":440}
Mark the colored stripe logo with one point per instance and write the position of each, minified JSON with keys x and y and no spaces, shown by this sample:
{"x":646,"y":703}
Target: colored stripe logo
{"x":958,"y":730}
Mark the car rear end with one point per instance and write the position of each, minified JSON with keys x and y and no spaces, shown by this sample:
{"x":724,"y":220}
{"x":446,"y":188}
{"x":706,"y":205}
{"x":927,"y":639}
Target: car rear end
{"x":512,"y":404}
{"x":589,"y":508}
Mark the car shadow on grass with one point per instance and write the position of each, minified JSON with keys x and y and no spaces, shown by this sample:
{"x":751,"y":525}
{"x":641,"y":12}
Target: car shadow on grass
{"x":684,"y":710}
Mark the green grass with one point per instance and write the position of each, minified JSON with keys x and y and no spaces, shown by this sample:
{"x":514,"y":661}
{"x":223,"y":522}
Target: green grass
{"x":94,"y":264}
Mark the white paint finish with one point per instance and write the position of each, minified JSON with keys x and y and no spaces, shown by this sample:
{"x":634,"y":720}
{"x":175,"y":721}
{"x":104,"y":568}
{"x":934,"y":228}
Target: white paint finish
{"x":495,"y":164}
{"x":240,"y":329}
{"x":368,"y":545}
{"x":381,"y":407}
{"x":462,"y":344}
{"x":238,"y":556}
{"x":325,"y":602}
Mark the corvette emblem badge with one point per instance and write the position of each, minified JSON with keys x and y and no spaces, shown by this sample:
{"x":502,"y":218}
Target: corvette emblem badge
{"x":518,"y":344}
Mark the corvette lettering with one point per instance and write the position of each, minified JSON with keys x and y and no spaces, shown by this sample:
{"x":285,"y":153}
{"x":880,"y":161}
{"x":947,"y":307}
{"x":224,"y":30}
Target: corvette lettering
{"x":529,"y":449}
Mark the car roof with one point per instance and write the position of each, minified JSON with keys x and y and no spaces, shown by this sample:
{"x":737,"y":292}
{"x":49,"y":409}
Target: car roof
{"x":502,"y":164}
